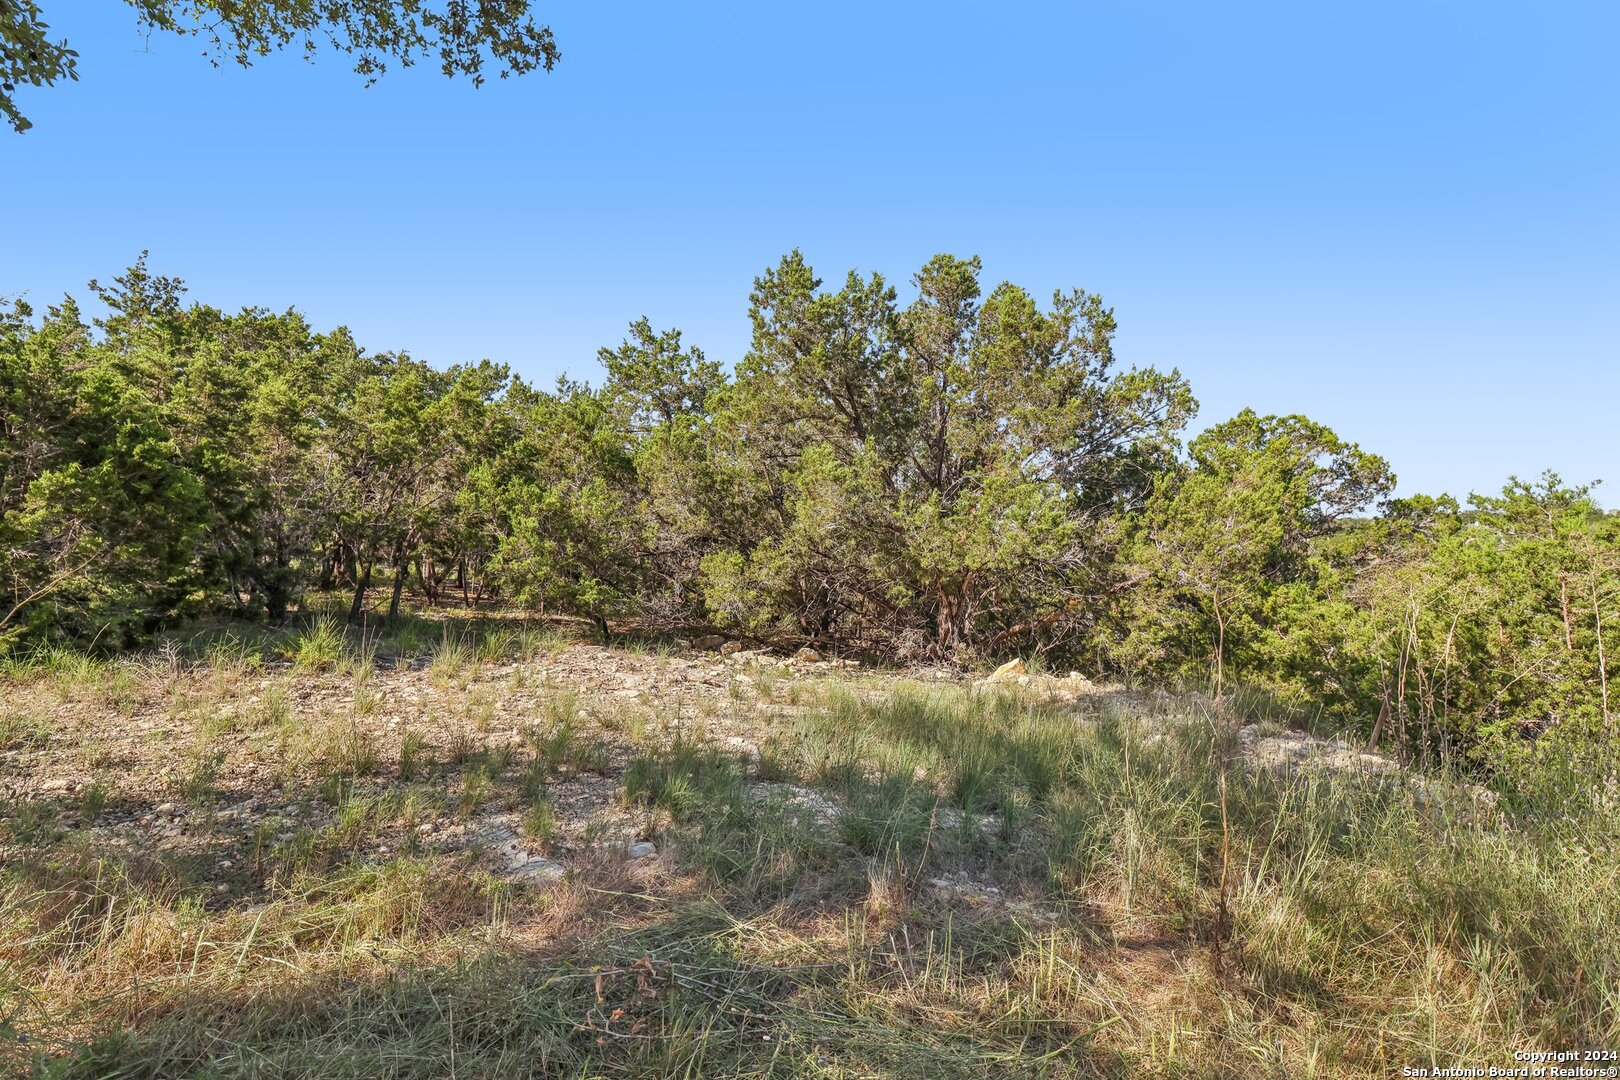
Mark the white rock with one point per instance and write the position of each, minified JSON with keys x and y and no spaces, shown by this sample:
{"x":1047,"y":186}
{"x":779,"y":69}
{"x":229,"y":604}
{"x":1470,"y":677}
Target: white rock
{"x":813,"y":803}
{"x":539,"y":871}
{"x":1007,"y":672}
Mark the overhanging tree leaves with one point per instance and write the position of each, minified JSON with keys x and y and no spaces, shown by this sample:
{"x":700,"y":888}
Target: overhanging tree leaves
{"x":464,"y":37}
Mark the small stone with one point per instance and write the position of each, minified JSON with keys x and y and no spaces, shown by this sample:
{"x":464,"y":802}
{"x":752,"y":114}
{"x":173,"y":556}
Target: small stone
{"x":641,"y":849}
{"x":165,"y":808}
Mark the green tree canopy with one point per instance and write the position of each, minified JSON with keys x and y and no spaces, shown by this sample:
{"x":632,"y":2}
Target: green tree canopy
{"x":934,"y":474}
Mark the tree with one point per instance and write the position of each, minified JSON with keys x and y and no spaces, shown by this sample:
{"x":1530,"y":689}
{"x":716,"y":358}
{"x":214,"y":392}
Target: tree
{"x":663,"y":399}
{"x":1322,"y":479}
{"x":563,"y":489}
{"x":401,"y":446}
{"x":922,"y":479}
{"x":462,"y":37}
{"x":99,"y":512}
{"x":1494,"y":639}
{"x":660,"y":384}
{"x":1207,"y":541}
{"x":1219,"y":541}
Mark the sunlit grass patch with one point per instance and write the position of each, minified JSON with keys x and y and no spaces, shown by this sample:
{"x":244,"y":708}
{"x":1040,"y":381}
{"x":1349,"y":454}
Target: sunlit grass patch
{"x":453,"y":658}
{"x":684,"y":779}
{"x":321,"y":646}
{"x":23,"y":729}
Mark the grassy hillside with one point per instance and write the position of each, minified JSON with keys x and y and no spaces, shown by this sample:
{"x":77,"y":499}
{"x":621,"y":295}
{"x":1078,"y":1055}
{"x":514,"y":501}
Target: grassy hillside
{"x":492,"y":851}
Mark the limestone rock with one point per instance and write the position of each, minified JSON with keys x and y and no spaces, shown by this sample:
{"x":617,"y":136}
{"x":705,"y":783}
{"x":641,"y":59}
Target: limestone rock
{"x":539,"y":871}
{"x":1066,"y":690}
{"x":811,"y":804}
{"x":1294,"y":749}
{"x":515,"y":860}
{"x":1008,"y":672}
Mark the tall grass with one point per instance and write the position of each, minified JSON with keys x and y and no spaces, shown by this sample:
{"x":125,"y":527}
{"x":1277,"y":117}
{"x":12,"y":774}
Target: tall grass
{"x":322,"y":646}
{"x":921,"y":883}
{"x":1395,"y":924}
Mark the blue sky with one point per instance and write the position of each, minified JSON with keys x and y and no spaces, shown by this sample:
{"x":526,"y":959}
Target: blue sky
{"x":1400,"y":219}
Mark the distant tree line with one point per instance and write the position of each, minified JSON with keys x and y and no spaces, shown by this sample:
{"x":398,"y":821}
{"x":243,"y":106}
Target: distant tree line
{"x":968,"y":476}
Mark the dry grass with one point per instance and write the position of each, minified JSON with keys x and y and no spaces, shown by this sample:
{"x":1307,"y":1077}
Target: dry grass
{"x":894,"y":880}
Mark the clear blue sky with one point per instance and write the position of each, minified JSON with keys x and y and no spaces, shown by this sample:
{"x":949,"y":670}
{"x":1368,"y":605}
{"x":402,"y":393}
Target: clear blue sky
{"x":1402,"y":219}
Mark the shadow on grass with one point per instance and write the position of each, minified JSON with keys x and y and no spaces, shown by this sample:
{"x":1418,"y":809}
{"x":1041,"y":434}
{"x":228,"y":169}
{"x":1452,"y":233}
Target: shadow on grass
{"x":688,"y":990}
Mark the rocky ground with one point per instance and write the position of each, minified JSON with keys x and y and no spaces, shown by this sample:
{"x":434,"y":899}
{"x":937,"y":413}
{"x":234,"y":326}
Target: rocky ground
{"x":220,"y":767}
{"x":990,"y":872}
{"x":216,"y":765}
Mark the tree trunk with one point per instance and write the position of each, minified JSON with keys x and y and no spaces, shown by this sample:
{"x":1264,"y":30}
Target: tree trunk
{"x":278,"y":591}
{"x":948,"y":633}
{"x":424,"y":574}
{"x":402,"y":570}
{"x":275,"y":602}
{"x":1378,"y":725}
{"x":234,"y":589}
{"x":360,"y":594}
{"x":1603,"y":661}
{"x":1569,"y":623}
